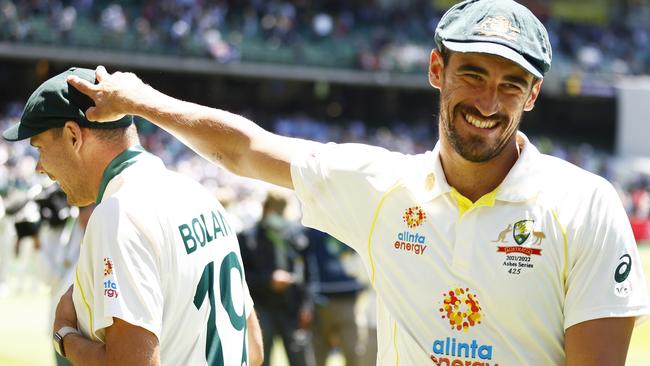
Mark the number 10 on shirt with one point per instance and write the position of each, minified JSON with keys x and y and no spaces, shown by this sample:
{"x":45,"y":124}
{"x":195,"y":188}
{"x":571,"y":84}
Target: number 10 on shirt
{"x":213,"y":347}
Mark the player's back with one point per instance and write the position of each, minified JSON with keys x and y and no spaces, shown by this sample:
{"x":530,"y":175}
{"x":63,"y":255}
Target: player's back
{"x":202,"y":278}
{"x":185,"y":269}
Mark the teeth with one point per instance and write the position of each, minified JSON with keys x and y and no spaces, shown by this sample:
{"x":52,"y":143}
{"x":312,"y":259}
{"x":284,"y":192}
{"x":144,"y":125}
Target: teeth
{"x":478,"y":123}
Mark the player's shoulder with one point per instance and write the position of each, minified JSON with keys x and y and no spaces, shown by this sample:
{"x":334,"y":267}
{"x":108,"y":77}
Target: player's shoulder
{"x":561,"y":178}
{"x":354,"y":155}
{"x":367,"y":159}
{"x":142,"y":187}
{"x":569,"y":174}
{"x":356,"y":164}
{"x":151,"y":179}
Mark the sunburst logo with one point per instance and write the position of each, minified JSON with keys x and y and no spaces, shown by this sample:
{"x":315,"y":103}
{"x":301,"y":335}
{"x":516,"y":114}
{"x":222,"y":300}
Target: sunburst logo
{"x":414,"y":217}
{"x":461,"y":308}
{"x":108,"y":267}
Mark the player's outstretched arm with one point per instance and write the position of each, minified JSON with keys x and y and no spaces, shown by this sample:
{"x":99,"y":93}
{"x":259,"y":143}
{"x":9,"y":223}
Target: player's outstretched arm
{"x":233,"y":141}
{"x":598,"y":342}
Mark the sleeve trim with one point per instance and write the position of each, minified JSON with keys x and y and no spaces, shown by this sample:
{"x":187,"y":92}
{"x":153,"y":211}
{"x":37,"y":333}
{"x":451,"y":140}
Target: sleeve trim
{"x":641,"y":312}
{"x":565,"y":271}
{"x":149,"y":327}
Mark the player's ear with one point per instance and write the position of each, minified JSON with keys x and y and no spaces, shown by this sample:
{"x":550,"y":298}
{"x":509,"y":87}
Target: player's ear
{"x":436,"y":65}
{"x":534,"y":93}
{"x":72,"y":136}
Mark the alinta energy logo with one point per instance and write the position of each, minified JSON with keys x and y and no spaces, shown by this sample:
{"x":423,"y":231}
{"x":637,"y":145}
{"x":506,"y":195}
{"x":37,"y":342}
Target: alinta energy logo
{"x":108,"y":267}
{"x":110,"y":287}
{"x":414,"y":217}
{"x":461,"y":308}
{"x":412,"y":242}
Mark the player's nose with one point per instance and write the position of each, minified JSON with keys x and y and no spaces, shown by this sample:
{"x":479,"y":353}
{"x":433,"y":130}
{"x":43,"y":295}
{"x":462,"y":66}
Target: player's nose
{"x":487,"y":101}
{"x":39,"y":167}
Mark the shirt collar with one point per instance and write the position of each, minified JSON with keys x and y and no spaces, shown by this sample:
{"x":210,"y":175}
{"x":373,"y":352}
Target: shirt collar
{"x":434,"y":182}
{"x":517,"y":186}
{"x":522,"y":183}
{"x":125,"y":159}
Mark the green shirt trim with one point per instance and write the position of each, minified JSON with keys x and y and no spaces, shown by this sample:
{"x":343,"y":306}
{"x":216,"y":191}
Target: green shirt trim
{"x":116,"y":166}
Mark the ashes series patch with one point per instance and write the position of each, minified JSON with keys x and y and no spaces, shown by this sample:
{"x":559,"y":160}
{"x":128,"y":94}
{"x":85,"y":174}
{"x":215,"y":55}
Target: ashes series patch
{"x":525,"y":244}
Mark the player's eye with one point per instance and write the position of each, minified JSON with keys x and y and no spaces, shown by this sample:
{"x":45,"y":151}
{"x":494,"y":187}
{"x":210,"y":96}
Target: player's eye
{"x":471,"y":77}
{"x":512,"y":87}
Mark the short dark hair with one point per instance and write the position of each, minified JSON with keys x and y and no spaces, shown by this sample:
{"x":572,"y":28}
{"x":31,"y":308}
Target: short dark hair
{"x":105,"y":135}
{"x":445,"y":53}
{"x":115,"y":135}
{"x":57,"y":132}
{"x":109,"y":135}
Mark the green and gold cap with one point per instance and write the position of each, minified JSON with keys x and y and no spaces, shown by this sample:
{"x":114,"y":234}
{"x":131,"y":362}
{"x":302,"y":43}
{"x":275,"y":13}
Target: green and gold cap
{"x":54,"y":103}
{"x":499,"y":27}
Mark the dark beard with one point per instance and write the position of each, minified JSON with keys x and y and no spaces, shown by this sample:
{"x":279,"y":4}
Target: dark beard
{"x":472,"y":148}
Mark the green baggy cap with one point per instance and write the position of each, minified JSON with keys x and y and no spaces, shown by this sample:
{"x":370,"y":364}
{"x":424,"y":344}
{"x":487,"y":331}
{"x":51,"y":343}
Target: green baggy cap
{"x":54,"y":103}
{"x":499,"y":27}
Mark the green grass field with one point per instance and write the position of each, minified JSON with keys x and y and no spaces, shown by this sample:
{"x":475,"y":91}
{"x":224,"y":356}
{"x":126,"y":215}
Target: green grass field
{"x":25,"y":337}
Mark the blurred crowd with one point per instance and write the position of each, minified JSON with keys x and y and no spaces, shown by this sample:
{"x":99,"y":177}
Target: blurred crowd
{"x":310,"y":291}
{"x":378,"y":35}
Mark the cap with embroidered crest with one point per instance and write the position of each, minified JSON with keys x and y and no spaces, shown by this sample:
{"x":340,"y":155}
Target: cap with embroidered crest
{"x":500,"y":27}
{"x":54,"y":103}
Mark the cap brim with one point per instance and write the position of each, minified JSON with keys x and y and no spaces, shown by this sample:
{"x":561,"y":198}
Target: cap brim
{"x":19,"y":132}
{"x":493,"y":49}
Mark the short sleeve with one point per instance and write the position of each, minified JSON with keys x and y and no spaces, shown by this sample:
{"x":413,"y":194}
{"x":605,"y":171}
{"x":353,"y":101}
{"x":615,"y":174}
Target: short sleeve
{"x":126,"y":277}
{"x":339,"y":186}
{"x":605,"y":275}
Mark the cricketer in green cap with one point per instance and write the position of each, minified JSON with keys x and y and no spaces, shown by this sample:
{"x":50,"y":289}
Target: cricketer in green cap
{"x":72,"y":151}
{"x":558,"y":306}
{"x":54,"y":103}
{"x":489,"y":65}
{"x":499,"y":27}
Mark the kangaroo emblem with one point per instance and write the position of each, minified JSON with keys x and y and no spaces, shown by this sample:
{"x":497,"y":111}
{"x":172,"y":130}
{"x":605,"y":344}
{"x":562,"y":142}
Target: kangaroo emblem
{"x":539,"y":236}
{"x":502,"y":235}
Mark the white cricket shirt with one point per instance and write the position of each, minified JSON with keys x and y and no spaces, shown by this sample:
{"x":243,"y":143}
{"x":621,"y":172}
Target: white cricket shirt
{"x":496,"y":282}
{"x":159,"y":253}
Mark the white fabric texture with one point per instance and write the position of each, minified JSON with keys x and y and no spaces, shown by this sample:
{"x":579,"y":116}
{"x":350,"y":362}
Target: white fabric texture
{"x":157,"y":241}
{"x":497,"y":284}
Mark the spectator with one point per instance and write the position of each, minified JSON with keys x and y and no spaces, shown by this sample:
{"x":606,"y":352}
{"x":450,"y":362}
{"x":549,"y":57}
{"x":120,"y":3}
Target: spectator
{"x":335,"y":295}
{"x":274,"y":267}
{"x":376,"y":32}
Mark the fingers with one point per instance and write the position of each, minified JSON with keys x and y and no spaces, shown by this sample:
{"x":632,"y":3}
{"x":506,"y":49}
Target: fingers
{"x":100,"y":73}
{"x":89,"y":89}
{"x":90,"y":114}
{"x":86,"y":87}
{"x":82,"y":85}
{"x":108,"y":94}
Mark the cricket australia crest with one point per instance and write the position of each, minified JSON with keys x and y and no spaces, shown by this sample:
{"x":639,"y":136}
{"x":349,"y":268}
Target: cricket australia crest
{"x":520,"y":258}
{"x":499,"y":26}
{"x":522,"y":230}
